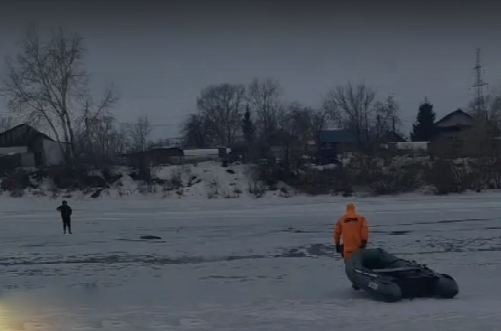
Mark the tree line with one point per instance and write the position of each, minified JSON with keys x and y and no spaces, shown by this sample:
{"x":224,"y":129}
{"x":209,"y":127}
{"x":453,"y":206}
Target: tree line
{"x":256,"y":116}
{"x":231,"y":113}
{"x":47,"y":85}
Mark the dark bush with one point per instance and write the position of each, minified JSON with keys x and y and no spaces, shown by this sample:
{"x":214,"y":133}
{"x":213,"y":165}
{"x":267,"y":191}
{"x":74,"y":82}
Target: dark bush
{"x":15,"y":181}
{"x":394,"y":181}
{"x":442,"y":175}
{"x":316,"y":182}
{"x":66,"y":177}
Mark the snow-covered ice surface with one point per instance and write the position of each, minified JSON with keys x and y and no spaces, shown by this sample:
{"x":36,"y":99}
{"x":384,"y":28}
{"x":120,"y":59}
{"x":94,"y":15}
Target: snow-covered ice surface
{"x":239,"y":265}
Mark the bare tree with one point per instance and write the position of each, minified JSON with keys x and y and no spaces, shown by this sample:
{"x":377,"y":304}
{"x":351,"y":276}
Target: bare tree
{"x":490,"y":109}
{"x":319,"y":120}
{"x":7,"y":123}
{"x":263,"y":97}
{"x":222,"y":107}
{"x":354,"y":107}
{"x":387,"y":117}
{"x":331,"y":107}
{"x":47,"y":83}
{"x":305,"y":123}
{"x":196,"y":132}
{"x":140,"y":133}
{"x":99,"y":139}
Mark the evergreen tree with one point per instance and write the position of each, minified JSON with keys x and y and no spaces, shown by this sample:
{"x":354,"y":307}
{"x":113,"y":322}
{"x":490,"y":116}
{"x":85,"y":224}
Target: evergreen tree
{"x":424,"y":129}
{"x":248,"y":129}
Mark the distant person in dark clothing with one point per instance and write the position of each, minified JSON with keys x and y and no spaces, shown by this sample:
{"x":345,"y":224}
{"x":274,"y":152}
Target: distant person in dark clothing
{"x":65,"y":211}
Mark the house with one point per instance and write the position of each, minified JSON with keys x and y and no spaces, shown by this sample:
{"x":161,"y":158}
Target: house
{"x":389,"y":141}
{"x":27,"y":147}
{"x":391,"y":137}
{"x":453,"y":123}
{"x":206,"y":154}
{"x":174,"y":155}
{"x":394,"y":142}
{"x":449,"y":128}
{"x":155,"y":156}
{"x":334,"y":142}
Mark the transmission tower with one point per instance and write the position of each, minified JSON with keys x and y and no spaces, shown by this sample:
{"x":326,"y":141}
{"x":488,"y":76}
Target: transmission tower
{"x":479,"y":102}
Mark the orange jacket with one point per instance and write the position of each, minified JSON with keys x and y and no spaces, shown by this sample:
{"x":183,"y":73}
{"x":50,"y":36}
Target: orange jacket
{"x":353,"y":228}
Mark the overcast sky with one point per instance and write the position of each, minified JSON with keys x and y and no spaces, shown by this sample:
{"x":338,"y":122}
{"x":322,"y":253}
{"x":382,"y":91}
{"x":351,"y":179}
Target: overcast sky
{"x":160,"y":56}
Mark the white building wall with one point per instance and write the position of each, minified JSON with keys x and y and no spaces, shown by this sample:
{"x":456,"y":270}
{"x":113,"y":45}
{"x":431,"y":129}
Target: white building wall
{"x":13,"y":150}
{"x":53,"y":153}
{"x":407,"y":145}
{"x":202,"y":155}
{"x":413,"y":145}
{"x":201,"y":152}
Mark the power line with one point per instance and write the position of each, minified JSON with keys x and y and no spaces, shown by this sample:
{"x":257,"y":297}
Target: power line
{"x":15,"y":116}
{"x":151,"y":124}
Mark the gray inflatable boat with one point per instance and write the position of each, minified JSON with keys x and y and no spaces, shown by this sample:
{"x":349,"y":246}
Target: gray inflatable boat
{"x":389,"y":278}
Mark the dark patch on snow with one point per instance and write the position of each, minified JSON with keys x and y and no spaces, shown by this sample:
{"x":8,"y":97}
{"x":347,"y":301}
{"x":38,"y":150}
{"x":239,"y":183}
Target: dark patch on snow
{"x":462,"y":220}
{"x":421,"y":245}
{"x":433,"y":222}
{"x":293,"y":230}
{"x":392,"y":233}
{"x":228,"y":279}
{"x":96,"y":194}
{"x":150,"y":237}
{"x":35,"y":245}
{"x":399,"y":233}
{"x":314,"y":250}
{"x":224,"y":277}
{"x":142,"y":240}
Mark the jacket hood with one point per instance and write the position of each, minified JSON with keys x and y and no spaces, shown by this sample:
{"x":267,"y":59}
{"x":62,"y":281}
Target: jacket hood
{"x":350,"y":209}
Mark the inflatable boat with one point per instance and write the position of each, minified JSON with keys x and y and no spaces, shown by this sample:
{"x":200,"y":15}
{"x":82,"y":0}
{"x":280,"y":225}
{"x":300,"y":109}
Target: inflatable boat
{"x":389,"y":278}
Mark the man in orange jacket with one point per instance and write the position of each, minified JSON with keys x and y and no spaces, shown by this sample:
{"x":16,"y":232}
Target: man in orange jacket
{"x":353,"y":228}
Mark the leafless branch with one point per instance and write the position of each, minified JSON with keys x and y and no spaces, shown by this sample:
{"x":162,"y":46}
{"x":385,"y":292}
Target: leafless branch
{"x":140,"y":133}
{"x":222,"y":107}
{"x":7,"y":123}
{"x":355,"y":107}
{"x":263,"y":97}
{"x":387,"y":117}
{"x":196,"y":132}
{"x":491,"y":108}
{"x":47,"y":82}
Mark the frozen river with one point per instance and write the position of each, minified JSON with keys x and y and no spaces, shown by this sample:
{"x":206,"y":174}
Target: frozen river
{"x":239,"y":265}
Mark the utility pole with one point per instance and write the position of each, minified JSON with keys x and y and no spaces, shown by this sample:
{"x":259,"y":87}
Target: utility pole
{"x":479,"y":102}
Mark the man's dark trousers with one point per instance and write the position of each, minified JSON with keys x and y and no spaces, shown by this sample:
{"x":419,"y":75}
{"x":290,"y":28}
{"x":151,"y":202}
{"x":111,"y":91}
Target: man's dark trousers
{"x":67,"y":224}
